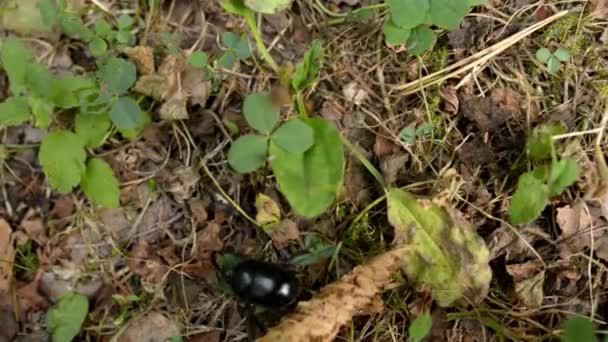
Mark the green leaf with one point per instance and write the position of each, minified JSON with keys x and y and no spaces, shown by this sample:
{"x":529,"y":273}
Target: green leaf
{"x":553,"y":65}
{"x":408,"y":135}
{"x":125,"y":37}
{"x":443,"y":251}
{"x":307,"y":71}
{"x":125,"y":22}
{"x":49,"y":12}
{"x":268,"y":6}
{"x":65,"y":320}
{"x":103,"y":28}
{"x":37,"y":80}
{"x":540,"y":143}
{"x":92,"y":129}
{"x":248,"y":153}
{"x":260,"y":113}
{"x":119,"y":75}
{"x":98,"y":47}
{"x":408,"y":14}
{"x":100,"y":185}
{"x":529,"y":200}
{"x":14,"y":111}
{"x":420,"y":327}
{"x":72,"y":25}
{"x":126,"y":114}
{"x":394,"y":34}
{"x":199,"y":59}
{"x":361,"y":15}
{"x":311,"y":181}
{"x":477,"y":2}
{"x":421,"y":39}
{"x":65,"y":90}
{"x":543,"y":55}
{"x":227,"y":60}
{"x":564,"y":173}
{"x":294,"y":136}
{"x":447,"y":14}
{"x":562,"y":54}
{"x":579,"y":329}
{"x":62,"y":158}
{"x":42,"y":110}
{"x":424,"y":129}
{"x":236,"y":7}
{"x":16,"y":58}
{"x":243,"y":49}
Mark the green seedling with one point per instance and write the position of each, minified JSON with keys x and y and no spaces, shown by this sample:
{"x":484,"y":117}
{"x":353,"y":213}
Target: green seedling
{"x":553,"y":60}
{"x":171,"y":41}
{"x":410,"y":21}
{"x":315,"y":249}
{"x":102,"y":107}
{"x":409,"y":135}
{"x":549,"y":177}
{"x":237,"y":49}
{"x":66,"y":318}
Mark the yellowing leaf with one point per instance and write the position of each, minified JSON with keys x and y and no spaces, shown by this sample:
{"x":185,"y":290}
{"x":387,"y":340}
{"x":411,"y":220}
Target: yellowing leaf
{"x":442,"y":249}
{"x":268,"y":6}
{"x":269,"y":213}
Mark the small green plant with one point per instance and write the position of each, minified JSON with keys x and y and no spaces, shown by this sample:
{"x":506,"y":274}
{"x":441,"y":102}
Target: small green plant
{"x":410,"y":134}
{"x":65,"y":319}
{"x":315,"y":249}
{"x":579,"y":329}
{"x":553,"y":60}
{"x":549,"y":177}
{"x":238,"y":49}
{"x":102,"y":108}
{"x":410,"y":21}
{"x":420,"y":327}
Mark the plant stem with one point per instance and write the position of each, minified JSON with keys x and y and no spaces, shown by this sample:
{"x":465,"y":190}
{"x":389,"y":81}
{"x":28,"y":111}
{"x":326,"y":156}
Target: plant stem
{"x":250,"y":18}
{"x":301,"y":105}
{"x":368,"y":165}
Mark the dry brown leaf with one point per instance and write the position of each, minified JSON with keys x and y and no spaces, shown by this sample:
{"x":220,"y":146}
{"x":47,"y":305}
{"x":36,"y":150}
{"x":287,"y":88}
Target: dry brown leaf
{"x":143,"y":56}
{"x":64,"y":207}
{"x":576,"y":222}
{"x":530,"y":291}
{"x":331,"y":111}
{"x":383,"y":147}
{"x":209,"y":239}
{"x":174,"y":109}
{"x":524,"y":270}
{"x":503,"y":241}
{"x":8,"y":326}
{"x":33,"y":226}
{"x":143,"y":263}
{"x":198,"y":210}
{"x":450,"y":98}
{"x":507,"y":98}
{"x":153,"y":327}
{"x":184,"y":183}
{"x":354,"y":93}
{"x":320,"y":318}
{"x":286,"y":231}
{"x":600,"y":9}
{"x":7,"y":256}
{"x":213,"y":336}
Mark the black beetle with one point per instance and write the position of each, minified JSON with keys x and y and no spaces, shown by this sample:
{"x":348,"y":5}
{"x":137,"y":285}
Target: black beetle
{"x":262,"y":283}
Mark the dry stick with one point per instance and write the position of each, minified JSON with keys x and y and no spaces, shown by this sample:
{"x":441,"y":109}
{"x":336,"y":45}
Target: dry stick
{"x":474,"y":61}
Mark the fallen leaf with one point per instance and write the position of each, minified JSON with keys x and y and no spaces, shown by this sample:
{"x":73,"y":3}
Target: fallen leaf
{"x":143,"y":263}
{"x":576,"y":222}
{"x":286,"y":231}
{"x":209,"y":239}
{"x":486,"y":114}
{"x":184,"y":183}
{"x":543,"y":12}
{"x":174,"y":109}
{"x":30,"y":299}
{"x":525,"y":270}
{"x":268,"y":212}
{"x":503,"y":241}
{"x":443,"y":250}
{"x":153,"y":327}
{"x":530,"y":291}
{"x":383,"y":146}
{"x":450,"y":98}
{"x":507,"y":98}
{"x":599,"y":8}
{"x":8,"y":326}
{"x":143,"y":56}
{"x":155,"y":219}
{"x":354,"y":93}
{"x":393,"y":167}
{"x":198,"y":210}
{"x":63,"y":207}
{"x":33,"y":226}
{"x":115,"y":222}
{"x":213,"y":336}
{"x":7,"y":256}
{"x":331,"y":111}
{"x":470,"y":32}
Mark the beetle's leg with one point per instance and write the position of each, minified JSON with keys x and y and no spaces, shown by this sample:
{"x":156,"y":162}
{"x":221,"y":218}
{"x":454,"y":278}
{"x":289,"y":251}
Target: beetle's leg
{"x":250,"y":318}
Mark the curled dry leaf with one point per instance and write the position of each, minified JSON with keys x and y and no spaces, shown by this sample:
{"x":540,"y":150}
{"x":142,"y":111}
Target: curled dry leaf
{"x":577,"y":221}
{"x":443,"y":250}
{"x":320,"y":318}
{"x":450,"y":98}
{"x":143,"y":56}
{"x":7,"y":256}
{"x":154,"y":326}
{"x":143,"y":263}
{"x":354,"y":93}
{"x":286,"y":231}
{"x":529,"y":280}
{"x":268,"y":212}
{"x":209,"y":239}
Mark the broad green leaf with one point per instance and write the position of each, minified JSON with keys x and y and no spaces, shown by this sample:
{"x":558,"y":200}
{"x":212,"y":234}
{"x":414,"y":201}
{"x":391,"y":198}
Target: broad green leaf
{"x":477,"y":2}
{"x":307,"y":71}
{"x":99,"y":184}
{"x":408,"y":135}
{"x":15,"y":59}
{"x":424,"y":129}
{"x":125,"y":22}
{"x":562,"y":54}
{"x":311,"y":181}
{"x":65,"y":90}
{"x":22,"y":17}
{"x":394,"y":34}
{"x":92,"y":129}
{"x":119,"y":75}
{"x":529,"y":200}
{"x":199,"y":59}
{"x":236,"y":7}
{"x":543,"y":55}
{"x":553,"y":65}
{"x":227,"y":60}
{"x":72,"y":25}
{"x":126,"y":114}
{"x":420,"y":327}
{"x":49,"y":12}
{"x":231,"y":39}
{"x":540,"y":143}
{"x":243,"y":49}
{"x":564,"y":173}
{"x":579,"y":329}
{"x":42,"y":110}
{"x":408,"y":14}
{"x":95,"y":101}
{"x":62,"y":158}
{"x":294,"y":136}
{"x":65,"y":320}
{"x":248,"y":153}
{"x":361,"y":15}
{"x":268,"y":6}
{"x":14,"y":111}
{"x":260,"y":113}
{"x":448,"y":14}
{"x":103,"y":28}
{"x":268,"y":212}
{"x":98,"y":47}
{"x":421,"y":39}
{"x":443,"y":251}
{"x":125,"y":37}
{"x":37,"y":80}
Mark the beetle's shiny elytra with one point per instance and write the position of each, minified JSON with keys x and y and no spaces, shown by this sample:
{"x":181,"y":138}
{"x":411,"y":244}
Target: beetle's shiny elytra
{"x":262,"y":283}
